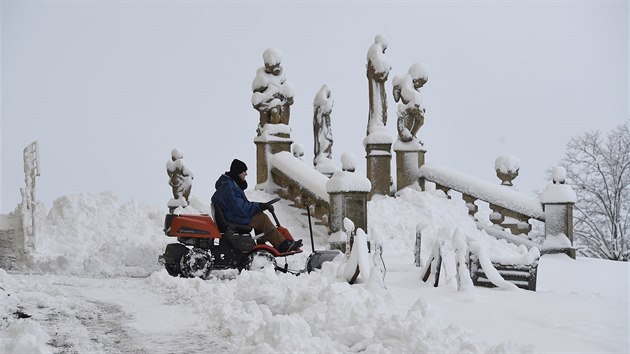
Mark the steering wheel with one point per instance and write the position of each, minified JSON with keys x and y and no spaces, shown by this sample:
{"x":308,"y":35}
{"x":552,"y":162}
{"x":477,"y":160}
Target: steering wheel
{"x":272,"y":201}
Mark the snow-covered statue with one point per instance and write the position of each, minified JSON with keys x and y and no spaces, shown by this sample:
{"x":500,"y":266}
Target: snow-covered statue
{"x":322,"y":132}
{"x":272,"y":92}
{"x":378,"y":67}
{"x":410,"y":109}
{"x":180,"y":179}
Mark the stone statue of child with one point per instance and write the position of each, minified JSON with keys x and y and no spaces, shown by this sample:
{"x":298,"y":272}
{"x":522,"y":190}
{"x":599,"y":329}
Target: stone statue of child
{"x":411,"y":110}
{"x":322,"y":130}
{"x":272,"y":92}
{"x":180,"y":177}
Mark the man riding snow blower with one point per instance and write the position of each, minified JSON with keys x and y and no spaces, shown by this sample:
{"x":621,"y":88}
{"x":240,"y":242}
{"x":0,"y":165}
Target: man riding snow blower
{"x":237,"y":209}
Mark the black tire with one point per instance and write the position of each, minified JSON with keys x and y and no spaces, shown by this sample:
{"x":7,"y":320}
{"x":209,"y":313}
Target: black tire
{"x":197,"y":263}
{"x":173,"y":269}
{"x":172,"y":257}
{"x":258,"y":260}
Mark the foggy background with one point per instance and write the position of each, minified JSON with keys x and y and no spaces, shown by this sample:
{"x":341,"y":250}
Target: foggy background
{"x":110,"y":88}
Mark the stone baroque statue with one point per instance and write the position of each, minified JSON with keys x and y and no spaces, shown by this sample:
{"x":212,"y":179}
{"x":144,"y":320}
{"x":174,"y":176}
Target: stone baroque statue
{"x":272,"y":92}
{"x":410,"y":110}
{"x":378,"y":67}
{"x":322,"y":131}
{"x":180,"y":179}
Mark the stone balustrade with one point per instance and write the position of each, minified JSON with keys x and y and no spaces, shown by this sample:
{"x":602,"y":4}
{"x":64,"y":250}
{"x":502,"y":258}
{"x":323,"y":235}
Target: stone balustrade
{"x":510,"y":210}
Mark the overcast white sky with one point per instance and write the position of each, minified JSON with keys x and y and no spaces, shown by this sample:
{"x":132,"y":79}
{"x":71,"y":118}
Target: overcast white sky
{"x":109,"y":88}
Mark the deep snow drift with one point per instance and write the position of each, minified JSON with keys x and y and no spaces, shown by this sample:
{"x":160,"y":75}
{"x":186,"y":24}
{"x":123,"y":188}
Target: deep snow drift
{"x":580,"y":306}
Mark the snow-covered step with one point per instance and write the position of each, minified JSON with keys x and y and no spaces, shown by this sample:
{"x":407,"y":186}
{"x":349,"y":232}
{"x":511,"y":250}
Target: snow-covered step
{"x":521,"y":275}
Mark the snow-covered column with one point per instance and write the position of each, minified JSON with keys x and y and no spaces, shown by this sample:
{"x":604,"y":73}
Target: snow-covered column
{"x":378,"y":141}
{"x":348,"y":192}
{"x":180,"y":180}
{"x":27,"y":207}
{"x":558,"y":199}
{"x":272,"y":97}
{"x":409,"y":150}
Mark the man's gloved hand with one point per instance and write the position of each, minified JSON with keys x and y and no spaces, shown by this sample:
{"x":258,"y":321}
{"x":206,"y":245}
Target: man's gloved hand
{"x":263,"y":206}
{"x":270,"y":207}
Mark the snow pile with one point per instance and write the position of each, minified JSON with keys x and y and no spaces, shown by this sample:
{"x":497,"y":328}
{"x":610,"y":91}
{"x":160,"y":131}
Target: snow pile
{"x":559,"y":241}
{"x":345,"y":181}
{"x":20,"y":335}
{"x":96,"y":234}
{"x":393,"y":223}
{"x":558,"y":193}
{"x":261,"y":312}
{"x":24,"y":336}
{"x":507,"y":163}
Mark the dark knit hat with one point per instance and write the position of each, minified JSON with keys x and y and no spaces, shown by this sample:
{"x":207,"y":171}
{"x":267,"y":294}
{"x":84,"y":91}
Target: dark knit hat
{"x":237,"y":167}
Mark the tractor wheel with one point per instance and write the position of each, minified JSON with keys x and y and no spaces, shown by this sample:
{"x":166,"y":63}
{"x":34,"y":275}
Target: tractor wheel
{"x":172,"y":257}
{"x":258,"y":260}
{"x":172,"y":269}
{"x":197,"y":263}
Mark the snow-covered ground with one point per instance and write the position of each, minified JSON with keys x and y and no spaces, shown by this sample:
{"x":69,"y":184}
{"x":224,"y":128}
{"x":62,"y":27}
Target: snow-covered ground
{"x":94,"y":285}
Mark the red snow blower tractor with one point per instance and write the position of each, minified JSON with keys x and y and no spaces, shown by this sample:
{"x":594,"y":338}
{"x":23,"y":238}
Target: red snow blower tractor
{"x":206,"y":243}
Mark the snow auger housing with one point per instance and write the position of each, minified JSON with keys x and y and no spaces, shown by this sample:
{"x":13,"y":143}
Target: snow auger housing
{"x":204,"y":245}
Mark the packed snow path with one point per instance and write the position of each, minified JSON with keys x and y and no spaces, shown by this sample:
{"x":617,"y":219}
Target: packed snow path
{"x":106,"y":315}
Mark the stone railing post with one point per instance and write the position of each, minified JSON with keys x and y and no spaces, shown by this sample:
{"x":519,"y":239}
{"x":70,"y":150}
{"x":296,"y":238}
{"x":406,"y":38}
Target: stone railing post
{"x":348,"y":199}
{"x":558,"y":200}
{"x":421,"y":161}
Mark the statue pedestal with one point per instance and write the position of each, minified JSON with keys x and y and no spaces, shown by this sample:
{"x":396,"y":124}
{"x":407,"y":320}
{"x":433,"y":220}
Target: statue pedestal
{"x":408,"y":157}
{"x":379,"y":169}
{"x":266,"y":146}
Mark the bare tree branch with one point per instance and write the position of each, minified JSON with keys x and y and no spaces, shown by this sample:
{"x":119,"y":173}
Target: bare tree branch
{"x":599,"y":170}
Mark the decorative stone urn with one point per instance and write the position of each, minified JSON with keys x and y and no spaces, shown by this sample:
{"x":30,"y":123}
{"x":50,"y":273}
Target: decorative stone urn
{"x":507,"y":167}
{"x":507,"y":177}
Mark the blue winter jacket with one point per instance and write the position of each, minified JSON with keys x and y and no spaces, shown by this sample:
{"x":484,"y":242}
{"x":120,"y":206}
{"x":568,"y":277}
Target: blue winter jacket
{"x":232,"y":200}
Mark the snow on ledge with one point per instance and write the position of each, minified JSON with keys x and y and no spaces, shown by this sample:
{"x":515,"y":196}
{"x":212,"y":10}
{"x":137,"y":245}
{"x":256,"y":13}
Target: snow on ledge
{"x":502,"y":196}
{"x":558,"y":194}
{"x":344,"y":181}
{"x":301,"y":173}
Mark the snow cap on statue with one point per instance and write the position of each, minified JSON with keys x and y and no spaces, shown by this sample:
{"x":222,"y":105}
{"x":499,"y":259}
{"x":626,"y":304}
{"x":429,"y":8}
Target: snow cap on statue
{"x":237,"y":167}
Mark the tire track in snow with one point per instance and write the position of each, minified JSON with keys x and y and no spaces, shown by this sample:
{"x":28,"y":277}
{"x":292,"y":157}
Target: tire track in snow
{"x":113,"y":315}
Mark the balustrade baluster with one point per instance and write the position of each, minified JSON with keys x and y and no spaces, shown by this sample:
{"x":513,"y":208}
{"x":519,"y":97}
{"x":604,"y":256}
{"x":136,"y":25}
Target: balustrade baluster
{"x":444,"y":189}
{"x":470,"y":204}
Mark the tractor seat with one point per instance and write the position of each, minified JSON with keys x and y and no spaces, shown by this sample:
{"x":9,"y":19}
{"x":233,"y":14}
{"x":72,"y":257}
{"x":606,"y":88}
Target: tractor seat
{"x":224,"y":226}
